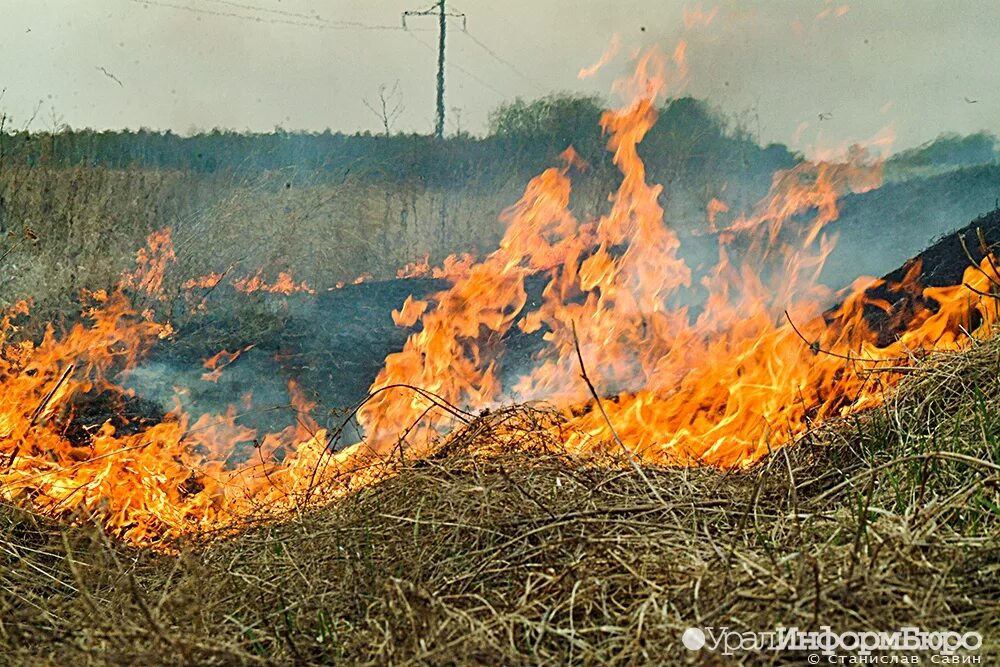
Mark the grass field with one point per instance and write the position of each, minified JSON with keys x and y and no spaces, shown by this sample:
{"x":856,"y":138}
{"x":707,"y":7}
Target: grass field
{"x":527,"y":555}
{"x":482,"y":553}
{"x":70,"y":229}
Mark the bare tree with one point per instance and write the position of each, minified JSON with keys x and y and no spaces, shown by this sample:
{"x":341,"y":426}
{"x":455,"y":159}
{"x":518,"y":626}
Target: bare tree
{"x":389,"y":106}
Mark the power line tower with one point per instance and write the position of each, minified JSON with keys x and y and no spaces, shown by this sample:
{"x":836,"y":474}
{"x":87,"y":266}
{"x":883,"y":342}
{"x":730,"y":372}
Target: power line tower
{"x":438,"y":9}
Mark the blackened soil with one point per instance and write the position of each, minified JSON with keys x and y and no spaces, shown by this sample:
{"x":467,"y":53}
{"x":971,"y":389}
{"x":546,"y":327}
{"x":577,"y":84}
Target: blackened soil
{"x":940,"y":265}
{"x":334,"y":344}
{"x":127,"y":414}
{"x":944,"y":262}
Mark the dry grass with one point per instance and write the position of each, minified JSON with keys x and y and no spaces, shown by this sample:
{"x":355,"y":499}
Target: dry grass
{"x":86,"y":224}
{"x":63,"y":230}
{"x":524,"y":554}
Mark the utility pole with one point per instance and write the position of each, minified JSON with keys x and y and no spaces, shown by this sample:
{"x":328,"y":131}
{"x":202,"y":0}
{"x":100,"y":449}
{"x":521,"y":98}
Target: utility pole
{"x":442,"y":25}
{"x":438,"y":8}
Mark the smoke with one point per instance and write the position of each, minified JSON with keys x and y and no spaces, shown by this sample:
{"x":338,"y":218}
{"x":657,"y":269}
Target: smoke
{"x":879,"y":230}
{"x":255,"y":386}
{"x":334,"y":343}
{"x":800,"y":74}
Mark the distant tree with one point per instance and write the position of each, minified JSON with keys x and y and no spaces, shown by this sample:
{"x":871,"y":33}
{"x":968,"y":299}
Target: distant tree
{"x":554,"y":121}
{"x":389,"y":106}
{"x":950,"y":150}
{"x":691,"y":146}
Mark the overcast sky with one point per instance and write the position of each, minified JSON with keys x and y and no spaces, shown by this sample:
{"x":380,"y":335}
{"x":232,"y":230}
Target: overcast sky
{"x":924,"y":66}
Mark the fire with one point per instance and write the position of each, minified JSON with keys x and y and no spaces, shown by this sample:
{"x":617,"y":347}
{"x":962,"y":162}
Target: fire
{"x":416,"y":269}
{"x":698,"y":16}
{"x":712,"y":210}
{"x":283,"y":284}
{"x":837,"y":11}
{"x":151,"y":264}
{"x":454,"y":266}
{"x":749,"y":371}
{"x":204,"y":282}
{"x":219,"y":361}
{"x":411,"y":311}
{"x":610,"y":52}
{"x":720,"y":387}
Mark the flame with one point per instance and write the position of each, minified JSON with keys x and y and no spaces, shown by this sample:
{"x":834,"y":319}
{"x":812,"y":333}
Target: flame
{"x":341,"y":284}
{"x":219,"y":361}
{"x":697,"y":16}
{"x":284,"y":284}
{"x":411,"y":311}
{"x":204,"y":282}
{"x":453,"y":267}
{"x":151,"y":264}
{"x":610,"y":52}
{"x":416,"y":269}
{"x":761,"y":361}
{"x":721,"y":387}
{"x":837,"y":11}
{"x":713,"y":209}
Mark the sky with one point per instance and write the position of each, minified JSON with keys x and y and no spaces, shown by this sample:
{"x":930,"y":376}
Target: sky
{"x":813,"y":74}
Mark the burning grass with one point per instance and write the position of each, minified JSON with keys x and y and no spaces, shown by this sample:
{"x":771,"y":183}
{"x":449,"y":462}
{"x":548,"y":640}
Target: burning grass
{"x":722,"y":386}
{"x":502,"y":548}
{"x":524,"y":535}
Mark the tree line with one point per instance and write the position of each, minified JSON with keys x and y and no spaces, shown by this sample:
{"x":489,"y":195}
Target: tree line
{"x":524,"y":137}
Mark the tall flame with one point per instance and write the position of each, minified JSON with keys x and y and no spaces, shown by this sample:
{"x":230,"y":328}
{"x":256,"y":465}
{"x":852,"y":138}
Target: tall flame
{"x":746,"y":372}
{"x":723,"y":386}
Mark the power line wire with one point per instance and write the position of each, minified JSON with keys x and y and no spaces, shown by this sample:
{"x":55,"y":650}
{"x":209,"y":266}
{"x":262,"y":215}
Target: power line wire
{"x":320,"y":25}
{"x":458,"y":67}
{"x":266,"y":10}
{"x":324,"y":25}
{"x":283,"y":12}
{"x":497,"y":57}
{"x":506,"y":63}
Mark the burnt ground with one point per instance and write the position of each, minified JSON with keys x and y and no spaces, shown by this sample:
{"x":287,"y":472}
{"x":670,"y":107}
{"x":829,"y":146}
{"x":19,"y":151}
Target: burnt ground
{"x":940,"y":265}
{"x":881,"y":229}
{"x":944,"y":262}
{"x":333,"y":345}
{"x":87,"y":412}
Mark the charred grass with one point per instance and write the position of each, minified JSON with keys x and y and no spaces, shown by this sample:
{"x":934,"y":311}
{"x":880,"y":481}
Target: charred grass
{"x":524,"y":554}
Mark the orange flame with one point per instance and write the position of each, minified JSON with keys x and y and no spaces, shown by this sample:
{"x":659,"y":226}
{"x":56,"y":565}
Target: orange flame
{"x":610,"y":52}
{"x":713,"y":209}
{"x":284,"y":284}
{"x":416,"y":269}
{"x":723,"y":387}
{"x":698,"y":16}
{"x":453,"y":266}
{"x":204,"y":282}
{"x":219,"y":361}
{"x":752,"y":370}
{"x":151,"y":264}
